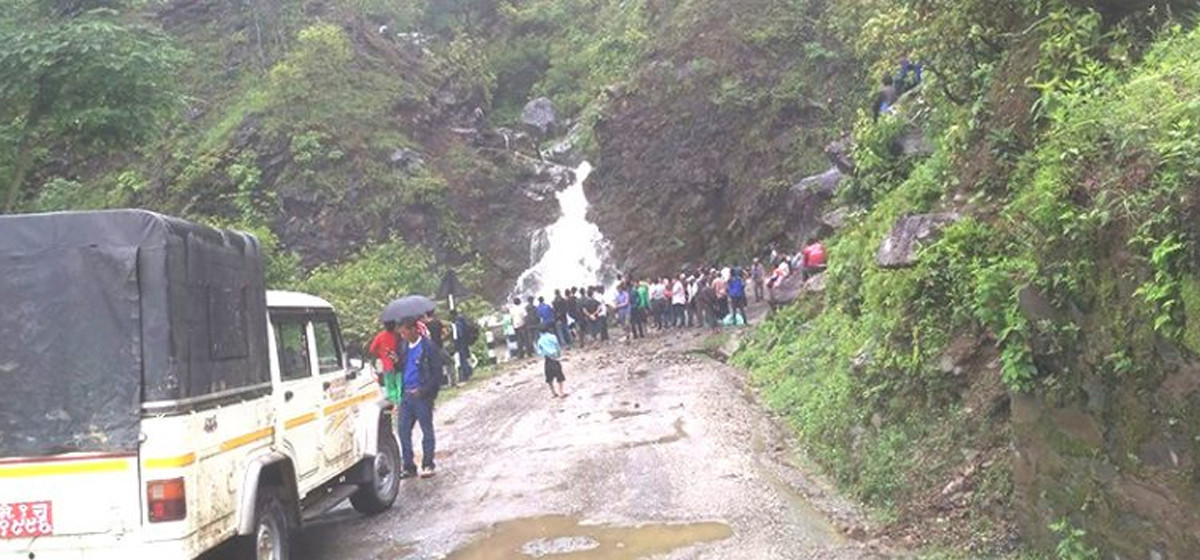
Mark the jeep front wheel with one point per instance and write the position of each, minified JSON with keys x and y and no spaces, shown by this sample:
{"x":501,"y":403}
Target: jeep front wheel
{"x":378,"y":494}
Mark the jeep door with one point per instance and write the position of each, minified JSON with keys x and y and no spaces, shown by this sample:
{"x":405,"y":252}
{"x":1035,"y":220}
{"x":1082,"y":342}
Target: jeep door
{"x":299,"y":396}
{"x":341,"y":394}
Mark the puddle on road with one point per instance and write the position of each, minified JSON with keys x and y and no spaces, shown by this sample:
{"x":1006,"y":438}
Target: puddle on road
{"x":679,"y":434}
{"x":560,"y":537}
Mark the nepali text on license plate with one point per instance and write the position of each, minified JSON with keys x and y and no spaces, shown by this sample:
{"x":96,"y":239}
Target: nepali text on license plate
{"x":26,"y":519}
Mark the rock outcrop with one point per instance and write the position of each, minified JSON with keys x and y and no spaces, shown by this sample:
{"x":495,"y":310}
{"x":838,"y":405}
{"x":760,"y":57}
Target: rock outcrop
{"x":899,"y":248}
{"x":540,"y":118}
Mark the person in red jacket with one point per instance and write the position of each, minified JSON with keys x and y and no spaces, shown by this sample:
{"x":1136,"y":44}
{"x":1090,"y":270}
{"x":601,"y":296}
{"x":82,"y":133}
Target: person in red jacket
{"x":814,"y":258}
{"x":383,"y":347}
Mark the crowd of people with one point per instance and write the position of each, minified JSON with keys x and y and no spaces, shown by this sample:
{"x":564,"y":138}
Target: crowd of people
{"x":417,"y":355}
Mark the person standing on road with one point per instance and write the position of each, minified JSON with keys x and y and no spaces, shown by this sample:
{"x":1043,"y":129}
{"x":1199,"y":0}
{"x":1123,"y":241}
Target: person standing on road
{"x":548,"y":348}
{"x":420,"y":367}
{"x":679,"y":298}
{"x":621,"y":306}
{"x":573,"y":318}
{"x":641,"y":308}
{"x":545,"y":313}
{"x":658,"y":303}
{"x":602,"y":314}
{"x":464,"y":336}
{"x":517,"y":312}
{"x":437,"y":335}
{"x":532,"y":323}
{"x":510,"y":336}
{"x":757,"y":277}
{"x":737,"y":296}
{"x":383,"y":347}
{"x":560,"y":319}
{"x":720,"y":288}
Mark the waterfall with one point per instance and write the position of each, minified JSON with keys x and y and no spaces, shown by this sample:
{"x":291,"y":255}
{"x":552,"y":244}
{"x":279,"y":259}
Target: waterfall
{"x":574,"y":253}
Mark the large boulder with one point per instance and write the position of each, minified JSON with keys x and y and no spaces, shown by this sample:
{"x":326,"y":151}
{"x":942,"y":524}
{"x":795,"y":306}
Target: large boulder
{"x":823,"y":186}
{"x":807,"y":202}
{"x":540,"y":117}
{"x":899,"y":248}
{"x":786,"y":291}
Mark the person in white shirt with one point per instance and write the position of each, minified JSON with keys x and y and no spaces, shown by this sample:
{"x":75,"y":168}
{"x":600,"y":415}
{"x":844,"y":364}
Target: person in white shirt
{"x":679,"y":299}
{"x":518,"y":314}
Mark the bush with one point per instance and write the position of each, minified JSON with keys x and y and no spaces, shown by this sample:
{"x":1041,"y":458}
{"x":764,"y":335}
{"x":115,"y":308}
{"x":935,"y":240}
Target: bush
{"x":361,"y":286}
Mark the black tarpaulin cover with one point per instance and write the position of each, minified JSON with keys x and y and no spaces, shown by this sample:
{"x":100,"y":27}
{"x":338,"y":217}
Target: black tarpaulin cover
{"x":101,"y":311}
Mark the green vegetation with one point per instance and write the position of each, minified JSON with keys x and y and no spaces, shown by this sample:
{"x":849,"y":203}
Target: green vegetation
{"x":88,"y":76}
{"x":1065,"y":139}
{"x":360,"y":287}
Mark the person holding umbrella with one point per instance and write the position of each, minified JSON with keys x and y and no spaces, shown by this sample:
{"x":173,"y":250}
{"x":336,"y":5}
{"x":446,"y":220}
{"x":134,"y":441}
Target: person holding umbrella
{"x":420,"y":369}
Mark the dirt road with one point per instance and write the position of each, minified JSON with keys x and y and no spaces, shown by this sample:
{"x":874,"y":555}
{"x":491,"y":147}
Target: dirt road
{"x":658,"y":451}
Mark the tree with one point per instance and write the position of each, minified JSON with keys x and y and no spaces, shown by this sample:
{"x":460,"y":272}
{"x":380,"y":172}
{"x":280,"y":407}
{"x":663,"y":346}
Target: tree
{"x":89,"y":81}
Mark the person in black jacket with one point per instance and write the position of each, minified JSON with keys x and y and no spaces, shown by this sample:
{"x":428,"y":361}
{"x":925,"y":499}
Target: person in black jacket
{"x":420,"y":366}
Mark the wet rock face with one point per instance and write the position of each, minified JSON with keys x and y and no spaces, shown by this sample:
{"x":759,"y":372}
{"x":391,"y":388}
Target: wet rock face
{"x":899,"y":248}
{"x":540,"y":117}
{"x":1117,"y":452}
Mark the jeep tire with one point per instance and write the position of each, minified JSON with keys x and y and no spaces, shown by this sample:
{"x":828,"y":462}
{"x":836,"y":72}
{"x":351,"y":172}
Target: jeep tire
{"x":377,"y":495}
{"x":272,"y":537}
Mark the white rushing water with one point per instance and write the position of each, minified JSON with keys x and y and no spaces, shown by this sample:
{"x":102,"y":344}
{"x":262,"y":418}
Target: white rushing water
{"x":576,"y":253}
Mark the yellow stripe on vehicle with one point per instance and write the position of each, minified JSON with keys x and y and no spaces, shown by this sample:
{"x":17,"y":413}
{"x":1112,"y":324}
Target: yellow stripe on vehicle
{"x":64,"y":468}
{"x":231,"y":444}
{"x":339,"y":406}
{"x":171,"y":462}
{"x":300,"y":420}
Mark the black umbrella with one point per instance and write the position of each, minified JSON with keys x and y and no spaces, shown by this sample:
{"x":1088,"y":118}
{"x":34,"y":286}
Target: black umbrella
{"x":407,"y":307}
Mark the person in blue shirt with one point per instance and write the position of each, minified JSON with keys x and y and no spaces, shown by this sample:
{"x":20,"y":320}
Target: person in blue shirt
{"x":545,"y":312}
{"x":420,"y":366}
{"x":737,"y":296}
{"x":548,"y":348}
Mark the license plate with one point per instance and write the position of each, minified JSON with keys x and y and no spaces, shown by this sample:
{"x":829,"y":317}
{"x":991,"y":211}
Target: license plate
{"x":26,"y":519}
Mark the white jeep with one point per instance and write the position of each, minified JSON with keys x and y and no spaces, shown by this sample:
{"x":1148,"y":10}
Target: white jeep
{"x":157,"y":401}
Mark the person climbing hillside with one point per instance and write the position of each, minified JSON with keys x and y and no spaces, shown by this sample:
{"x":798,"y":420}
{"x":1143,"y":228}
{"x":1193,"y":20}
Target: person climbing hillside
{"x":886,"y":98}
{"x":813,"y":261}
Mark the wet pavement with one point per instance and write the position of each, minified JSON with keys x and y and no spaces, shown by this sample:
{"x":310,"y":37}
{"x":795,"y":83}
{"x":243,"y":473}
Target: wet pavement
{"x":658,"y":451}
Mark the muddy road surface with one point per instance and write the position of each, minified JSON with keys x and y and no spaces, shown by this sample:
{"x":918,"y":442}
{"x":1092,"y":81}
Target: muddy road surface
{"x":658,"y":451}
